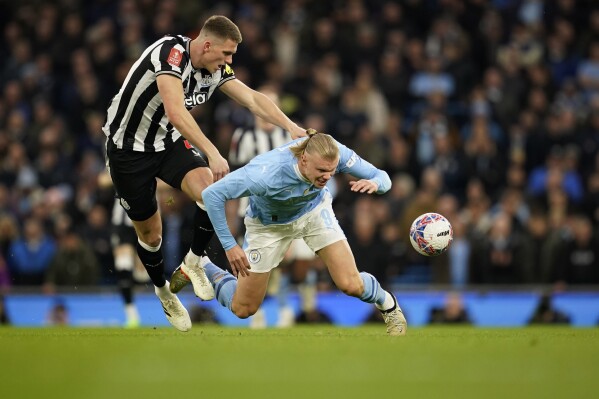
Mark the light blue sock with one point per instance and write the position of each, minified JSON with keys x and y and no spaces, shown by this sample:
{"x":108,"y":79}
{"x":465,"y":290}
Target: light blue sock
{"x":224,"y":284}
{"x":373,"y":292}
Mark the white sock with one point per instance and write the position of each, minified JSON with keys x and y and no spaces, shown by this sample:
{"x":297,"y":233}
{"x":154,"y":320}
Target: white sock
{"x":163,"y":292}
{"x":191,"y":258}
{"x":389,"y":302}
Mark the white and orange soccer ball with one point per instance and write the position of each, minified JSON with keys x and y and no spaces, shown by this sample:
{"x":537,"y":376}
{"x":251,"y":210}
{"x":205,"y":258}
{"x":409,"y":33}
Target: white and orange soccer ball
{"x":431,"y":234}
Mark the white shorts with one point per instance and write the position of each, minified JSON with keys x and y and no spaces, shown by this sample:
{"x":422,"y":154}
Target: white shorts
{"x":265,"y":246}
{"x":300,"y":250}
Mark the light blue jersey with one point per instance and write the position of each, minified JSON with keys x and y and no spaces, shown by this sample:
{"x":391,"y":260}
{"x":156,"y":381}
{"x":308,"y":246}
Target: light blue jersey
{"x":278,"y":192}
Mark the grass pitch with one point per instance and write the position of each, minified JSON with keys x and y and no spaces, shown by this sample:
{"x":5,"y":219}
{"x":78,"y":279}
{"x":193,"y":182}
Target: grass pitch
{"x":302,"y":362}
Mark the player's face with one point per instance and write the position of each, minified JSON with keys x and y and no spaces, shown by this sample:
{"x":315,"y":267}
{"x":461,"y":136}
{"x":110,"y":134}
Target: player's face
{"x":317,"y":170}
{"x":217,"y":53}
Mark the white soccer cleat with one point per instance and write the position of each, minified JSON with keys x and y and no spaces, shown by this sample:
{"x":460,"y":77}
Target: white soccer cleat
{"x":395,"y":320}
{"x":175,"y":312}
{"x":196,"y":274}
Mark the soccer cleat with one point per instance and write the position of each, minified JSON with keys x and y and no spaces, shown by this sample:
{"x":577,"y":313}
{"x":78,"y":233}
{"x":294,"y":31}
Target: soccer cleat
{"x":195,"y":274}
{"x":395,"y":320}
{"x":175,"y":312}
{"x":178,"y":280}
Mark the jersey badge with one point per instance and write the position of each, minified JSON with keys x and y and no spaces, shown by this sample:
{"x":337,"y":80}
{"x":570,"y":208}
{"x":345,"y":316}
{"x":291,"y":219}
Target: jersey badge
{"x":254,"y":256}
{"x":174,"y":57}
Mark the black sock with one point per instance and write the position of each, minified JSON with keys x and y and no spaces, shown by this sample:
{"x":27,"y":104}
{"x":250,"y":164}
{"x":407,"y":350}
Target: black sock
{"x":154,"y":264}
{"x":125,"y":283}
{"x":202,"y":231}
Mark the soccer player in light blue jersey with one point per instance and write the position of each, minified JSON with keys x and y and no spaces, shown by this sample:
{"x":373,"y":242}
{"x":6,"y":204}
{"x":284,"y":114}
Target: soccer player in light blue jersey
{"x":289,"y":200}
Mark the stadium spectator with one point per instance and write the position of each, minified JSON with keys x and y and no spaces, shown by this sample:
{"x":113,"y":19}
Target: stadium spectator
{"x":578,"y":258}
{"x":452,"y":311}
{"x":4,"y":319}
{"x":73,"y":265}
{"x":503,"y":256}
{"x":29,"y":257}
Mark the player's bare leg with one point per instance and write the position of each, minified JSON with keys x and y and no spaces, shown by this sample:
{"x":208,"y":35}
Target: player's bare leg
{"x":342,"y":267}
{"x":250,"y":294}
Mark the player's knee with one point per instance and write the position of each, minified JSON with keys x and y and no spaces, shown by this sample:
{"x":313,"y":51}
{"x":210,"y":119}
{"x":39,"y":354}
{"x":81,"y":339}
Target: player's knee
{"x":245,"y":311}
{"x":196,"y":181}
{"x":352,"y":287}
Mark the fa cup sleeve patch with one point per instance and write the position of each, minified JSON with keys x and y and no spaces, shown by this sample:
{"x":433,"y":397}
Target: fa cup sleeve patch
{"x":175,"y":57}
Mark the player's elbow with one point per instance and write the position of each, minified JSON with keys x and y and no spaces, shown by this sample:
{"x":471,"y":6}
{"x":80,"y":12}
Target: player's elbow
{"x":385,"y":183}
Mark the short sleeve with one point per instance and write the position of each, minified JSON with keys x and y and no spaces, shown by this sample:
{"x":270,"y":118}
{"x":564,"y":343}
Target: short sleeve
{"x":169,"y":58}
{"x":227,"y":74}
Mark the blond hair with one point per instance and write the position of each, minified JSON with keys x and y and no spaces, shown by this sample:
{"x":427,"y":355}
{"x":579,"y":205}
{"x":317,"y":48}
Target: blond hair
{"x":320,"y":144}
{"x":221,"y":27}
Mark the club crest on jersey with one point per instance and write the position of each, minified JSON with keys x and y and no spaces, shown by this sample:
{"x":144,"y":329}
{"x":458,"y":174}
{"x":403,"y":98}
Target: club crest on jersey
{"x":187,"y":145}
{"x":254,"y":256}
{"x":175,"y":57}
{"x":194,"y":99}
{"x":206,"y":81}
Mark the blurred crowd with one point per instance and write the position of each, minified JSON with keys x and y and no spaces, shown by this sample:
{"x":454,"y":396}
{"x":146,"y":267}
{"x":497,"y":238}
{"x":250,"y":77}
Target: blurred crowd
{"x":486,"y":111}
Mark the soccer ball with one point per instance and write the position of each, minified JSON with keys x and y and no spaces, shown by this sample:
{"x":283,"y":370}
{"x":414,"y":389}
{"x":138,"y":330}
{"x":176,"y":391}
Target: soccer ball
{"x":431,"y":234}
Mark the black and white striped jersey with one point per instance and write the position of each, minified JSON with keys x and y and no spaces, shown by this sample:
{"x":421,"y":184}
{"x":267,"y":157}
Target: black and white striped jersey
{"x":249,"y":142}
{"x":136,"y":117}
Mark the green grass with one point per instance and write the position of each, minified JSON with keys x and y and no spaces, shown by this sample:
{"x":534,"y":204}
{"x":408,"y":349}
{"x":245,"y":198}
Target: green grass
{"x":302,"y":362}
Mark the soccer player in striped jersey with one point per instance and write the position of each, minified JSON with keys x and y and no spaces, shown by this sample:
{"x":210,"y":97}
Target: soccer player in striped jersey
{"x":151,"y":133}
{"x":289,"y":200}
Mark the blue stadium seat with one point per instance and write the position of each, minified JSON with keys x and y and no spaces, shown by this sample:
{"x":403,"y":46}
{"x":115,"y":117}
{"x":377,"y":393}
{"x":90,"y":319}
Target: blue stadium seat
{"x":501,"y":309}
{"x":581,"y":307}
{"x":417,"y":306}
{"x":344,"y":310}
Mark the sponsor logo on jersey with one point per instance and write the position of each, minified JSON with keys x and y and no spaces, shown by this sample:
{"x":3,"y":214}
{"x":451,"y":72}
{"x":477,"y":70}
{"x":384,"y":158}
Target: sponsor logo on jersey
{"x":175,"y":57}
{"x":254,"y":256}
{"x":125,"y":204}
{"x":352,"y":160}
{"x":187,"y":145}
{"x":191,"y":100}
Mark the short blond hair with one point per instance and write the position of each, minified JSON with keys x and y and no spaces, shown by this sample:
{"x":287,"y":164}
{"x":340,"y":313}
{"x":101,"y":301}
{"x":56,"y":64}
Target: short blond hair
{"x":221,"y":27}
{"x":320,"y":144}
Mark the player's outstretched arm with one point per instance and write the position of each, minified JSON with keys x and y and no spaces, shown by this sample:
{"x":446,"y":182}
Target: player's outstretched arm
{"x":171,"y":91}
{"x":261,"y":106}
{"x":371,"y":179}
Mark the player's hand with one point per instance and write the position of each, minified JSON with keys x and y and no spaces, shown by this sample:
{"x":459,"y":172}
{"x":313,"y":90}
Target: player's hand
{"x":364,"y":186}
{"x":219,"y":167}
{"x":238,"y":261}
{"x":297,"y":132}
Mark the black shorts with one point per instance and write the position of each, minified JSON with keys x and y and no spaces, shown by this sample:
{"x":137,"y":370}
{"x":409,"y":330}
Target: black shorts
{"x":134,"y":174}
